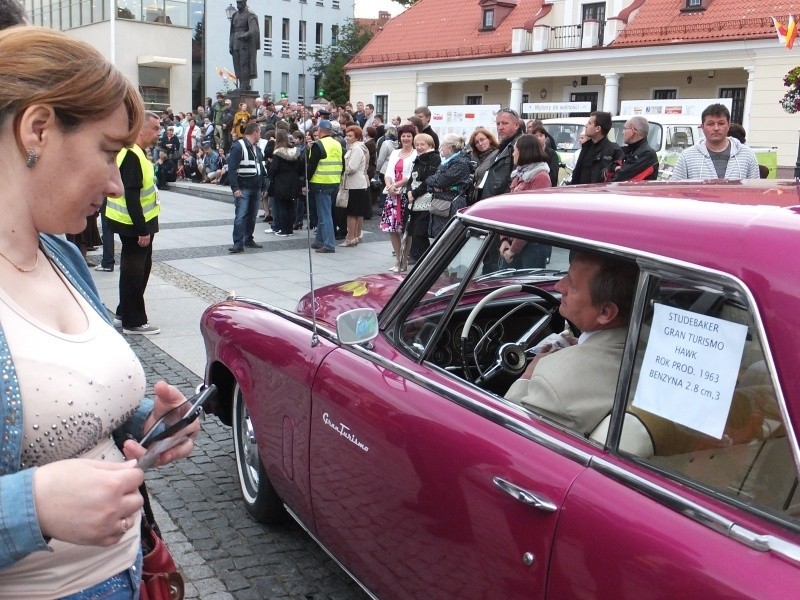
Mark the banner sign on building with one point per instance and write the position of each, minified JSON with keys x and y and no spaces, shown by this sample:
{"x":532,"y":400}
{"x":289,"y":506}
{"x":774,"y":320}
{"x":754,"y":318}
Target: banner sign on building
{"x":463,"y":119}
{"x":556,"y":107}
{"x":684,"y":106}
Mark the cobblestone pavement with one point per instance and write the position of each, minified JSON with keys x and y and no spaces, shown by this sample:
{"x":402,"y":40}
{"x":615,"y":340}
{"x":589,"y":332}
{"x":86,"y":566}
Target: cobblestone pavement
{"x":221,"y":551}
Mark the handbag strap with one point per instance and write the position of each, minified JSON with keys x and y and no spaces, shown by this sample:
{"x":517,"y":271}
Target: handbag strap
{"x":148,"y":510}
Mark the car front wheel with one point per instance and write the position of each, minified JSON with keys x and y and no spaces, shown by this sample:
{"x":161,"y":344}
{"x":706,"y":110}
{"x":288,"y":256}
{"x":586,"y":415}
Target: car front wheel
{"x":260,"y":498}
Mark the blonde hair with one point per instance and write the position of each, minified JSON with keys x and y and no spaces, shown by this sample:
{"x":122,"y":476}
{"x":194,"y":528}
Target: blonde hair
{"x":43,"y":66}
{"x":424,"y":137}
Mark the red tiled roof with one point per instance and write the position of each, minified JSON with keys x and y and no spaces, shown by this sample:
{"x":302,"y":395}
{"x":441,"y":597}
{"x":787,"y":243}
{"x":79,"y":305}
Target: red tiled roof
{"x":442,"y":30}
{"x":662,"y":22}
{"x":446,"y":30}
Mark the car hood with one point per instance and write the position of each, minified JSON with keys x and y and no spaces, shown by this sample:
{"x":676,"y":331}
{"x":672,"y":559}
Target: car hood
{"x":372,"y":291}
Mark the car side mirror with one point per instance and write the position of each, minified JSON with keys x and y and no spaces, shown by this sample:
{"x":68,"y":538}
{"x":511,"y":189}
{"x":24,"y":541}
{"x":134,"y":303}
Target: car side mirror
{"x":357,"y":326}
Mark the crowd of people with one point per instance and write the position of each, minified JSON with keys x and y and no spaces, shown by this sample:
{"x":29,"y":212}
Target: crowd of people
{"x":346,"y":163}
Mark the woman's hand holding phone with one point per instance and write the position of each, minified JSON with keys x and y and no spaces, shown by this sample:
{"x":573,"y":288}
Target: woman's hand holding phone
{"x":174,"y":433}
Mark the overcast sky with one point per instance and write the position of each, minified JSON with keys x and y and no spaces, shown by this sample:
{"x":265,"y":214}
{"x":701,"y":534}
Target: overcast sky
{"x":368,"y":9}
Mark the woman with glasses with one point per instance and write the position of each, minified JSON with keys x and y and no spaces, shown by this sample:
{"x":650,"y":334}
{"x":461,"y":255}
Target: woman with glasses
{"x":483,"y":144}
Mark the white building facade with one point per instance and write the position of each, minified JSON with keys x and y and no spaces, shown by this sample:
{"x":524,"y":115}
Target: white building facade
{"x":291,"y":31}
{"x":150,"y":41}
{"x":601,"y":53}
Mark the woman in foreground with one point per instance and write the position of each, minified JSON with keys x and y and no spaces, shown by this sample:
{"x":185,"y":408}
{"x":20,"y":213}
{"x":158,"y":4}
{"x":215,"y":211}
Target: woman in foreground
{"x":70,"y":504}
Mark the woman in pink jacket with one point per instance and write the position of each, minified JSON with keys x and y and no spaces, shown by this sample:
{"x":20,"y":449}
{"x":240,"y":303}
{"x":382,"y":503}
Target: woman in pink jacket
{"x":531,"y":173}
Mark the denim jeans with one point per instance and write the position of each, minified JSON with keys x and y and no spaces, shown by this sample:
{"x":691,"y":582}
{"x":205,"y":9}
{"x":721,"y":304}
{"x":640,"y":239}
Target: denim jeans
{"x":108,"y":240}
{"x":323,"y":197}
{"x":244,"y":220}
{"x":134,"y":271}
{"x":122,"y":586}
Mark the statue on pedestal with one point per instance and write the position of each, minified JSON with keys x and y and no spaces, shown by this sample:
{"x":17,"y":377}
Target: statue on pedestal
{"x":245,"y":41}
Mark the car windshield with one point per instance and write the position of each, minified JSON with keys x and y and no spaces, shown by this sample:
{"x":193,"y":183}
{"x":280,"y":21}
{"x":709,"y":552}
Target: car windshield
{"x":457,"y":269}
{"x":565,"y":135}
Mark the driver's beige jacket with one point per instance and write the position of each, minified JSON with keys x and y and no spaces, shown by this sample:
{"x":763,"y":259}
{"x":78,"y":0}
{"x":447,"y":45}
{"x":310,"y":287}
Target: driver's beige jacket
{"x":575,"y":386}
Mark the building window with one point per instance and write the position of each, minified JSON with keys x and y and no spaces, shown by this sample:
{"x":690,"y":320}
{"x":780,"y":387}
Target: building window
{"x":334,"y":35}
{"x":268,"y":84}
{"x":382,"y":106}
{"x":595,"y":11}
{"x":284,"y":85}
{"x":301,"y":34}
{"x":285,"y":36}
{"x":737,"y":106}
{"x":335,"y":4}
{"x":668,"y":94}
{"x":488,"y":18}
{"x":267,"y":36}
{"x":301,"y":88}
{"x":694,"y":3}
{"x":318,"y":91}
{"x":473,"y":100}
{"x":154,"y":87}
{"x":318,"y":36}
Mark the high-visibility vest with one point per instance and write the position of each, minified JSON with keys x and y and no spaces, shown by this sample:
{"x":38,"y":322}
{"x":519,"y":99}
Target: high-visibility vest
{"x":329,"y":169}
{"x":247,"y":166}
{"x":117,"y":208}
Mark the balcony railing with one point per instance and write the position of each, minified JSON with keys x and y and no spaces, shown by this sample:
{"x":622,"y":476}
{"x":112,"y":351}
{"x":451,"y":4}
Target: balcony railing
{"x":285,"y":44}
{"x":565,"y":37}
{"x":267,"y":46}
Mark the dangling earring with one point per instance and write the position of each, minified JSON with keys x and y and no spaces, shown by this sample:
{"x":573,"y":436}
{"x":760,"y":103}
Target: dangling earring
{"x":33,"y":158}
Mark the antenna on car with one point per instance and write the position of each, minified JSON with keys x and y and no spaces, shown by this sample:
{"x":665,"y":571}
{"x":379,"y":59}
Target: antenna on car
{"x":307,"y":150}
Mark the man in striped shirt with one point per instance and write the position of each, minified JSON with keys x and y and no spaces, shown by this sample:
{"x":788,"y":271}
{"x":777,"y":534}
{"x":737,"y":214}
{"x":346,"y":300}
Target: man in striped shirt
{"x":717,"y":156}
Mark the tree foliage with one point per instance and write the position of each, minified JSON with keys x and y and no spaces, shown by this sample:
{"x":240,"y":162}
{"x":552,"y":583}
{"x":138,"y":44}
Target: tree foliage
{"x":329,"y":61}
{"x":406,"y":3}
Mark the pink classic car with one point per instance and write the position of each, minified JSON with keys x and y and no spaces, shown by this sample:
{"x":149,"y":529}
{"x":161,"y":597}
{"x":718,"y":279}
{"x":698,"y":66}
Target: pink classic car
{"x":376,"y":414}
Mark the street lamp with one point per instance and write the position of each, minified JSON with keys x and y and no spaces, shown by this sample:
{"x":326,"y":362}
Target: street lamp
{"x":230,"y":11}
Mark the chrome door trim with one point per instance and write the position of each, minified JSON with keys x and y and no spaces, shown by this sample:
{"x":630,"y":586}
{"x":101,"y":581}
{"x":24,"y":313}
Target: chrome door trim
{"x":697,"y":513}
{"x":328,"y":552}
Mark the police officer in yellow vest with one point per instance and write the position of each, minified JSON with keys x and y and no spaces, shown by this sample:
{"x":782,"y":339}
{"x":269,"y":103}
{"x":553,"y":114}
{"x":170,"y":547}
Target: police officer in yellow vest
{"x":134,"y":217}
{"x":325,"y":166}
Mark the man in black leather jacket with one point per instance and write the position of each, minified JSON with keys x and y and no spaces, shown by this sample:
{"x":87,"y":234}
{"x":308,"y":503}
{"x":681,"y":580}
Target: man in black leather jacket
{"x":599,"y":156}
{"x":640,"y":162}
{"x":498,"y":176}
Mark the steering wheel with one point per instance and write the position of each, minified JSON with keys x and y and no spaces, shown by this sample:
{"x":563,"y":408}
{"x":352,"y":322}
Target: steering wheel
{"x":510,"y":356}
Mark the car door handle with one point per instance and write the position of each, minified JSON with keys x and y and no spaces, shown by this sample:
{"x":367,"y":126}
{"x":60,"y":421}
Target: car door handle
{"x":525,"y":496}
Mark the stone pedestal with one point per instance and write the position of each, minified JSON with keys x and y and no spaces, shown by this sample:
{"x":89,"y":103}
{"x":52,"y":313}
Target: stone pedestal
{"x":238,"y":96}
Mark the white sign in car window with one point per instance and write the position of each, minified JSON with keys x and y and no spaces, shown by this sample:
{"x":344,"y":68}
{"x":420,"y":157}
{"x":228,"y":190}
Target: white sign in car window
{"x":689,"y":369}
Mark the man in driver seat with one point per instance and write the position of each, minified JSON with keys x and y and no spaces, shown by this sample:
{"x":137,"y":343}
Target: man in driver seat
{"x":575,"y":386}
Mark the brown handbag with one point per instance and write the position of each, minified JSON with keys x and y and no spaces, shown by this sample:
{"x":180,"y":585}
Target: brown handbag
{"x":160,"y":577}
